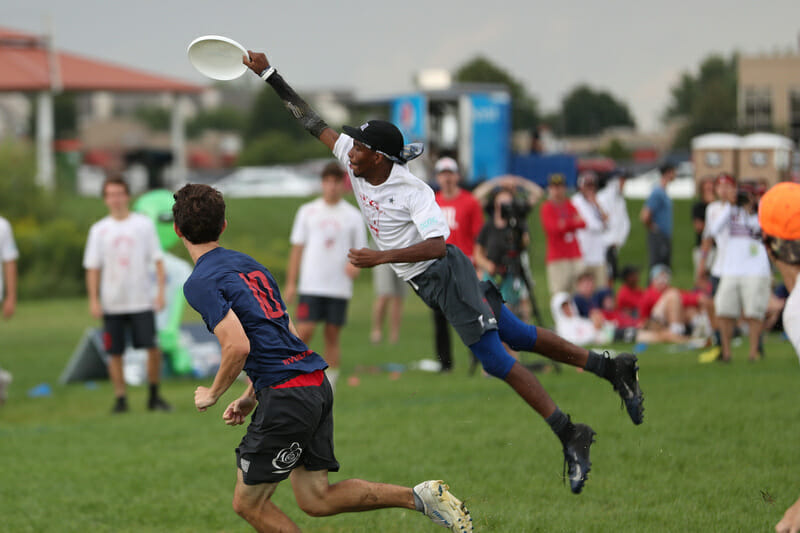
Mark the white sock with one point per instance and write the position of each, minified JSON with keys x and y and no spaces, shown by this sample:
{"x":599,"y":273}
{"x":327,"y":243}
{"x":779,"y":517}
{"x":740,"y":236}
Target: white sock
{"x":677,"y":328}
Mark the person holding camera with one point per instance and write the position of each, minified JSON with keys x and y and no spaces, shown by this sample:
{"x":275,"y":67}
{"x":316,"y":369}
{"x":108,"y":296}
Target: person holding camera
{"x":744,"y":284}
{"x":502,"y":244}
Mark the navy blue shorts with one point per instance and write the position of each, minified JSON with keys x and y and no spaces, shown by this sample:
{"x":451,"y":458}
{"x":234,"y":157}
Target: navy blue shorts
{"x":292,"y":426}
{"x":322,"y":309}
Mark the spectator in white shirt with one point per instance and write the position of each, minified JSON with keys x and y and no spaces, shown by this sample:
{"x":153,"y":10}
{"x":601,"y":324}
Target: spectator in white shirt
{"x":612,"y":201}
{"x":319,"y":271}
{"x":593,"y":238}
{"x":744,"y":285}
{"x":119,"y":252}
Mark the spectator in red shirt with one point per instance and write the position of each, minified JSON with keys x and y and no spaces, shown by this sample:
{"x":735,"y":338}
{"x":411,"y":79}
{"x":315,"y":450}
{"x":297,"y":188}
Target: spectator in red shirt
{"x":560,"y":219}
{"x":630,"y":293}
{"x":465,"y":218}
{"x":668,"y":307}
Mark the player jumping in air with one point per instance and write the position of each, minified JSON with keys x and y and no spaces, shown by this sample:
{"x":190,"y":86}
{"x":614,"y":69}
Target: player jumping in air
{"x":410,"y":231}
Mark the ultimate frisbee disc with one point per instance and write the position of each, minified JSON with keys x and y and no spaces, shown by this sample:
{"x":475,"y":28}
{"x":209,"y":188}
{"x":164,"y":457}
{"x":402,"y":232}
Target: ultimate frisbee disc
{"x":217,"y":57}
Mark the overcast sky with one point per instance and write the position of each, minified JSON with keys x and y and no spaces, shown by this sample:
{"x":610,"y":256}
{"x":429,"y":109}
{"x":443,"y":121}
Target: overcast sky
{"x":635,"y":50}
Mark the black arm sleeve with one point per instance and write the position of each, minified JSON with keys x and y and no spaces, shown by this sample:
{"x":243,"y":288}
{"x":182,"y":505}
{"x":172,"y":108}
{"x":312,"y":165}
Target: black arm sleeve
{"x":297,"y":106}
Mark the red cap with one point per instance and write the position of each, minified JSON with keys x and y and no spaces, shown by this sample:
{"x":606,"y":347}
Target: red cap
{"x":726,"y":178}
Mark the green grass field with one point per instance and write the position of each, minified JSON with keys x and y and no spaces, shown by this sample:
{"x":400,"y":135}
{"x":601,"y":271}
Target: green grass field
{"x":716,"y":451}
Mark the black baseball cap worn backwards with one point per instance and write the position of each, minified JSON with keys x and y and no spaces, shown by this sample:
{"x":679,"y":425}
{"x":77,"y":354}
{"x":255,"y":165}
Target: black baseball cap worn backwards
{"x":380,"y":136}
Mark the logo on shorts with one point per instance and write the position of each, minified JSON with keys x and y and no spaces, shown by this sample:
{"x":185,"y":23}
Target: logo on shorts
{"x":244,"y":464}
{"x":287,"y":458}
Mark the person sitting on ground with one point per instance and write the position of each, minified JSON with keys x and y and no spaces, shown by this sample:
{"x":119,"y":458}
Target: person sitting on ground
{"x":585,"y":296}
{"x":664,"y":306}
{"x":597,"y":330}
{"x":630,"y":291}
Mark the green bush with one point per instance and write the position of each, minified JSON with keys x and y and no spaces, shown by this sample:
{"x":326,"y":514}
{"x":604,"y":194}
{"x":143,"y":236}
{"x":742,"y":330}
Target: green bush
{"x":278,"y":147}
{"x":50,"y":258}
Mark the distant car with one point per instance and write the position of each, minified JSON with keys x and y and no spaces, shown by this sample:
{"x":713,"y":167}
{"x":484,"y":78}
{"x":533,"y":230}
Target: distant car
{"x":683,"y":186}
{"x":259,"y":182}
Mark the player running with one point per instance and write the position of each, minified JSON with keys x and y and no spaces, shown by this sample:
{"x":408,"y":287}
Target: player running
{"x":291,"y":431}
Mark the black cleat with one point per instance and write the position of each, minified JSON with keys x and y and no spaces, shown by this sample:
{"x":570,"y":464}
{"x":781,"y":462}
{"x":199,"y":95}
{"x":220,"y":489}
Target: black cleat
{"x":626,"y":383}
{"x":158,"y":404}
{"x":576,"y":457}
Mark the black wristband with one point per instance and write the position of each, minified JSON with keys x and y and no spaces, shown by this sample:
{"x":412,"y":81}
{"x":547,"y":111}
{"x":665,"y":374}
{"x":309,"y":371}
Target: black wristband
{"x":296,"y":105}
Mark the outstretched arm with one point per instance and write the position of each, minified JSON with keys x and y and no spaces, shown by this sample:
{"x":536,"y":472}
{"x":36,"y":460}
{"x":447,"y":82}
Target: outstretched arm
{"x":258,"y":63}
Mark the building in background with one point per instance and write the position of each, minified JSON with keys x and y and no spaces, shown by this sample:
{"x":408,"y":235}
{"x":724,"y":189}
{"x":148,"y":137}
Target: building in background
{"x":769,"y":93}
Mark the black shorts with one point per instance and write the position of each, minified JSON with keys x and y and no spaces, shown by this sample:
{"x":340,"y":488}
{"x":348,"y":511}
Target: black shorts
{"x":142,"y":327}
{"x":322,"y":309}
{"x":450,"y":284}
{"x":292,"y":426}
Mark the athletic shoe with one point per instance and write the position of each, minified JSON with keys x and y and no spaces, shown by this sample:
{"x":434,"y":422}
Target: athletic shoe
{"x":576,"y":456}
{"x":626,"y":383}
{"x":442,"y":507}
{"x":120,"y":406}
{"x":158,"y":404}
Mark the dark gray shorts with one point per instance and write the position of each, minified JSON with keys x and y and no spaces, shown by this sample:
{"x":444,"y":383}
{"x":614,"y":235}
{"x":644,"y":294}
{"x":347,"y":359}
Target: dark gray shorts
{"x":450,"y":284}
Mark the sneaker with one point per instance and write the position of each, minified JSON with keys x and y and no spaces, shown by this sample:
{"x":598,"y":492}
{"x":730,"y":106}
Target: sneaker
{"x":576,"y":457}
{"x":158,"y":404}
{"x":710,"y":355}
{"x":442,"y":507}
{"x":120,"y":406}
{"x":626,"y":383}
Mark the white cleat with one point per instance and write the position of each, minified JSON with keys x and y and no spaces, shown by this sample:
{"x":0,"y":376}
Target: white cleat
{"x":442,"y":507}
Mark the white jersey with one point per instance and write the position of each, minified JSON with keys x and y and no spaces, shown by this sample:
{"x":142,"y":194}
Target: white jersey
{"x":791,"y":316}
{"x":743,"y":254}
{"x":400,"y":212}
{"x":713,"y":211}
{"x":592,"y":239}
{"x":124,"y":250}
{"x":327,"y":232}
{"x":612,"y":201}
{"x":8,"y":249}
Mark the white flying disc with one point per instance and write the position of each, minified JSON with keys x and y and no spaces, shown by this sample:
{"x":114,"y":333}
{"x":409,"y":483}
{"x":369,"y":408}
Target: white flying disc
{"x":217,"y":57}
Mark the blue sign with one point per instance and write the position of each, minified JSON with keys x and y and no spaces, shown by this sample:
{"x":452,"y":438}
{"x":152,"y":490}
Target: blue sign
{"x":410,"y":114}
{"x":491,"y":134}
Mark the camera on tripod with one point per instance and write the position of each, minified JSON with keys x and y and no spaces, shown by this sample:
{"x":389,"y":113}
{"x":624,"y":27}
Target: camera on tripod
{"x":515,"y":212}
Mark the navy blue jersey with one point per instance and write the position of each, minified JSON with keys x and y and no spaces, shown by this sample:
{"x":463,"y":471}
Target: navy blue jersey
{"x":225,"y":279}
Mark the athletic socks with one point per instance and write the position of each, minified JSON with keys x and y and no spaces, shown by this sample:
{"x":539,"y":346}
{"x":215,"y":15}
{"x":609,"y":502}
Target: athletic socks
{"x":601,"y":365}
{"x":418,"y":505}
{"x":561,"y":425}
{"x":153,"y":392}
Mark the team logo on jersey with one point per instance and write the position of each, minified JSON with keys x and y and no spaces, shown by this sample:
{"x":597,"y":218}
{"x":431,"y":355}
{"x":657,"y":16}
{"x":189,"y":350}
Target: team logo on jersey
{"x":372,"y":213}
{"x":287,"y":458}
